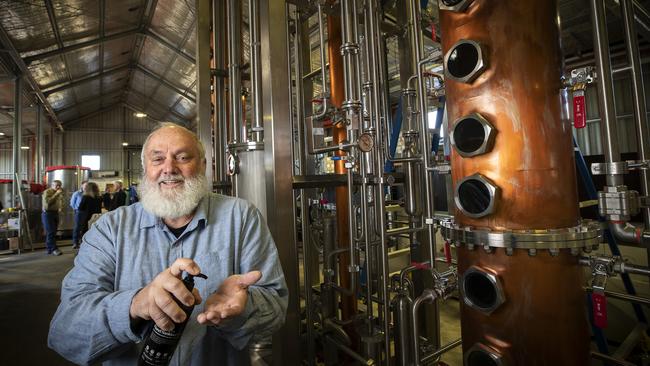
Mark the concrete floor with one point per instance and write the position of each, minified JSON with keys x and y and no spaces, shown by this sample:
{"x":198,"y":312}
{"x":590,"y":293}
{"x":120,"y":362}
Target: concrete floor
{"x":29,"y":294}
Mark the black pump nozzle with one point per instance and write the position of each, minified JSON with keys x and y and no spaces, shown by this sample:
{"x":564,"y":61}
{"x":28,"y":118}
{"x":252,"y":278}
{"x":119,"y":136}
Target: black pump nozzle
{"x":188,"y":280}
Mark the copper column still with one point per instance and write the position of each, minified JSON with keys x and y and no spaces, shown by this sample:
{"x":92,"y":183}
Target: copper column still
{"x":515,"y":186}
{"x":348,"y":303}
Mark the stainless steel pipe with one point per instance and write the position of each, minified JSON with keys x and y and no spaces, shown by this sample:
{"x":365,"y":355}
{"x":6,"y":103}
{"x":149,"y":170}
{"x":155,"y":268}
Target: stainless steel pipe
{"x":605,"y":89}
{"x":638,"y":94}
{"x":234,"y":72}
{"x":256,"y":70}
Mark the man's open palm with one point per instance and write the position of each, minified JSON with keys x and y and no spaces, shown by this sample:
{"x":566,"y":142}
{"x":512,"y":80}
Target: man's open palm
{"x":229,"y":300}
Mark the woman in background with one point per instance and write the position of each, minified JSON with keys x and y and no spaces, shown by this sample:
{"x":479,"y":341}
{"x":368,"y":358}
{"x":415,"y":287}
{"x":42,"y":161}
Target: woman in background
{"x":91,"y":203}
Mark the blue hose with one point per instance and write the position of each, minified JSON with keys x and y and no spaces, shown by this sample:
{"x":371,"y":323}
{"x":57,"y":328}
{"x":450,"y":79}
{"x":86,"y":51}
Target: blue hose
{"x":592,"y":194}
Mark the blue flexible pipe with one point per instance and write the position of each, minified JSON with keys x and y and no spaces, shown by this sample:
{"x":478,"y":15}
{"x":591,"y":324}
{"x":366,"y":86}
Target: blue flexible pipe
{"x":592,"y":193}
{"x":394,"y":136}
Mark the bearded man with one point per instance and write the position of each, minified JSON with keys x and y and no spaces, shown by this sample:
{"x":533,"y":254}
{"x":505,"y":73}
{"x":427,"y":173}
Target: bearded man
{"x":128,"y":271}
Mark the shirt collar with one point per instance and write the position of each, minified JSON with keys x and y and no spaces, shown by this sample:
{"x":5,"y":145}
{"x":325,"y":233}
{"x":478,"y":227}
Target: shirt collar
{"x":147,"y":219}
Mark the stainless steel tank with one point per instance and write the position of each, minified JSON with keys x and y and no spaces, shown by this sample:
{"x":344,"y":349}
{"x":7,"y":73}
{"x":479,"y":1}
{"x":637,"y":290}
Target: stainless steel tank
{"x":5,"y":193}
{"x":71,"y":177}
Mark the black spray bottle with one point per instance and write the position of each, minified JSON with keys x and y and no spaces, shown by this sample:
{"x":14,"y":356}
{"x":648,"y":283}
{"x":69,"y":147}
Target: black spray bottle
{"x":160,"y":344}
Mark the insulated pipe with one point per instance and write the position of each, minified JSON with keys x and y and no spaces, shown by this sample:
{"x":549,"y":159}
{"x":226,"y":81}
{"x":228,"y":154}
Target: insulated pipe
{"x":638,"y":93}
{"x":256,"y":70}
{"x":234,"y":72}
{"x":605,"y":89}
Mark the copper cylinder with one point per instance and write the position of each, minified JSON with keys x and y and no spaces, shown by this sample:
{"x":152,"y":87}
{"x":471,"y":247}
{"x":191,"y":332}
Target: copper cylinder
{"x":348,"y":303}
{"x":519,"y":93}
{"x":543,"y":319}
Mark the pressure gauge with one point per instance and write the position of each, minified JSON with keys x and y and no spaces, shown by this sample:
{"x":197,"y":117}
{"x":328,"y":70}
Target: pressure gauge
{"x":233,"y":164}
{"x":366,"y":142}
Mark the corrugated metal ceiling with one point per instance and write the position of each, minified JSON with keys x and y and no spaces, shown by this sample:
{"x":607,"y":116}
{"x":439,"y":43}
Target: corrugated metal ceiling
{"x":87,"y":55}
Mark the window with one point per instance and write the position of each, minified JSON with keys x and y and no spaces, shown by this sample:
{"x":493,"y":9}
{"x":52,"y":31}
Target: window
{"x":90,"y":161}
{"x":431,"y":119}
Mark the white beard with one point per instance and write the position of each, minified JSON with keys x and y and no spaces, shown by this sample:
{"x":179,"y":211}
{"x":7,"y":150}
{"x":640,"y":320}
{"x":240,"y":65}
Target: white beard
{"x":175,"y":202}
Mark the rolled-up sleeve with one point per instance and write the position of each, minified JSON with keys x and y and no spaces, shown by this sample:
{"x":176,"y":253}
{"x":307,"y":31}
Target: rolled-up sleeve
{"x":92,"y":319}
{"x":268,"y":299}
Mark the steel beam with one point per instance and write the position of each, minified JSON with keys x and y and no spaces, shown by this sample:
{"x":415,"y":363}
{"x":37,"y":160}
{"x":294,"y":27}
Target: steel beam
{"x":137,"y":31}
{"x":203,"y":105}
{"x":160,"y":106}
{"x":102,"y":22}
{"x":165,"y":43}
{"x":78,"y":119}
{"x":57,"y":88}
{"x":279,"y":193}
{"x":641,"y":16}
{"x":145,"y":21}
{"x":173,"y":58}
{"x":22,"y":68}
{"x":59,"y":41}
{"x":63,"y":50}
{"x":144,"y":70}
{"x":91,"y":99}
{"x":17,"y":139}
{"x":38,"y":169}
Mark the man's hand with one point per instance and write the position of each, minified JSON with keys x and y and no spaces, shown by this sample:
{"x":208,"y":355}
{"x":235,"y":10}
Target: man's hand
{"x":230,"y":300}
{"x":156,"y":300}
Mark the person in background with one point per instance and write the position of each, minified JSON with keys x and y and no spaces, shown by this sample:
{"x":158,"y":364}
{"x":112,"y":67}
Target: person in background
{"x":75,"y":200}
{"x":52,"y":204}
{"x":133,"y":193}
{"x":91,"y":204}
{"x":106,"y":197}
{"x":129,"y":268}
{"x":119,"y":196}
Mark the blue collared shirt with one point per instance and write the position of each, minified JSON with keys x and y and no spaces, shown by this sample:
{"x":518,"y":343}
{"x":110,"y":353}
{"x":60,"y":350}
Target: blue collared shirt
{"x":128,"y":247}
{"x":75,"y":200}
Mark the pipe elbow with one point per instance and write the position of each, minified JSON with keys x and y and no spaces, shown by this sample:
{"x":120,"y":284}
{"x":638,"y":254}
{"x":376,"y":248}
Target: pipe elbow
{"x":629,"y":233}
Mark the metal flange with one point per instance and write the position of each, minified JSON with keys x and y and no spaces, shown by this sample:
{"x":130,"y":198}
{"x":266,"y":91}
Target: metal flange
{"x":587,"y":235}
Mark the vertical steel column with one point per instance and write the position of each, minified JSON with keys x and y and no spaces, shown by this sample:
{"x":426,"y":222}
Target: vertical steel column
{"x":279,"y":168}
{"x":234,"y":76}
{"x":309,"y":266}
{"x":638,"y":93}
{"x":219,"y":88}
{"x":605,"y":89}
{"x":17,"y":137}
{"x":417,"y":49}
{"x":203,"y":80}
{"x":256,"y":70}
{"x":39,"y":144}
{"x":337,"y":90}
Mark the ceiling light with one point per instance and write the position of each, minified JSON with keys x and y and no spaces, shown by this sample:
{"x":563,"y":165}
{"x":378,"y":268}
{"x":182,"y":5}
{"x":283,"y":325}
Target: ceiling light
{"x":125,"y":143}
{"x":2,"y":133}
{"x":24,"y":147}
{"x":140,"y":114}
